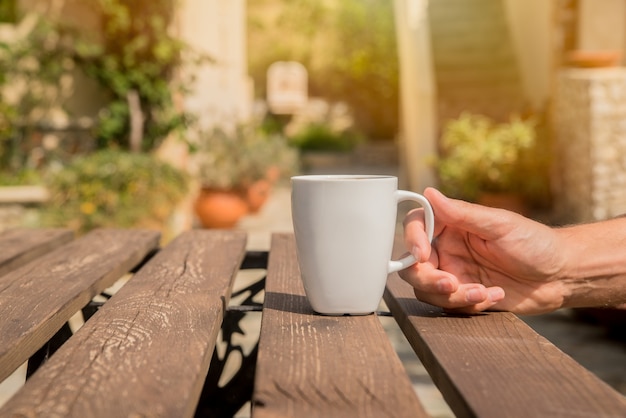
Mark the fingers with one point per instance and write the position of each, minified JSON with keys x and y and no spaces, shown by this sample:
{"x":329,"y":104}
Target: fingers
{"x":415,"y":238}
{"x":485,"y":222}
{"x":447,"y":211}
{"x":443,"y":289}
{"x":429,"y":280}
{"x":468,"y":298}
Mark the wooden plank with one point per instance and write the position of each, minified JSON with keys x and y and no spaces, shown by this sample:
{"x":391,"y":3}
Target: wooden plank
{"x":494,"y":365}
{"x":20,"y":245}
{"x":147,"y":350}
{"x":311,"y":365}
{"x":39,"y":297}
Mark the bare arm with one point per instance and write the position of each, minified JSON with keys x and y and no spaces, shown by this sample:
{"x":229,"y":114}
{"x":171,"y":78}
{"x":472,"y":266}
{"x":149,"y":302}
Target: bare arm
{"x":485,"y":258}
{"x":595,"y":272}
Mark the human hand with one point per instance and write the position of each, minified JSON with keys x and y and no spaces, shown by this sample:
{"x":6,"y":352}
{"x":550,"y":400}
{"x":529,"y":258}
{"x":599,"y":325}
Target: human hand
{"x":483,"y":258}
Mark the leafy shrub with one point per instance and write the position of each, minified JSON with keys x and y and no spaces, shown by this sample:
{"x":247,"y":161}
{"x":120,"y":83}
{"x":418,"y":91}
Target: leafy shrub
{"x":480,"y":155}
{"x":114,"y":189}
{"x":20,"y":177}
{"x":138,"y":55}
{"x":320,"y":137}
{"x":237,"y":157}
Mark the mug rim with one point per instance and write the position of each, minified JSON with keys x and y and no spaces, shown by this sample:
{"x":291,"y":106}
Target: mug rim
{"x":342,"y":177}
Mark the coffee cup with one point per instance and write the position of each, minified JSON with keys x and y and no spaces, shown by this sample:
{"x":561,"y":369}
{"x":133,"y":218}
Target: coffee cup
{"x":344,"y":227}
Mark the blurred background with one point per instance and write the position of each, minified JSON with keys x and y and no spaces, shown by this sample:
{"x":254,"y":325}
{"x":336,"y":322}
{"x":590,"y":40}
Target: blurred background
{"x":506,"y":102}
{"x":186,"y":114}
{"x":510,"y":103}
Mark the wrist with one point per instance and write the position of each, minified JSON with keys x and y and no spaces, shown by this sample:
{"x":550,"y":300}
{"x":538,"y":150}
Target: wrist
{"x":594,"y":272}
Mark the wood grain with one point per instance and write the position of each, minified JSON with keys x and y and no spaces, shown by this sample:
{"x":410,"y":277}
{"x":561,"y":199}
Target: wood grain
{"x":147,"y":350}
{"x":20,"y":245}
{"x":39,"y":297}
{"x":323,"y":366}
{"x":494,"y":365}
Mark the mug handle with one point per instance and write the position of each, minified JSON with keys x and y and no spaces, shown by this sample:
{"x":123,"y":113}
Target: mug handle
{"x":401,"y":196}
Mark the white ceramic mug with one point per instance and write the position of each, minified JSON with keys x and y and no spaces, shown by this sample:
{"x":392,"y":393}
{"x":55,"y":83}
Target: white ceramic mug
{"x":344,"y":227}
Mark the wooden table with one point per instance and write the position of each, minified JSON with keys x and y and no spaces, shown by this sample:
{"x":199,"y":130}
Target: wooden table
{"x":149,"y":349}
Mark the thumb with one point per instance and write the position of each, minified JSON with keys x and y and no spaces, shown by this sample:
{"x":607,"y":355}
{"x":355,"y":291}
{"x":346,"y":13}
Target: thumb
{"x":483,"y":221}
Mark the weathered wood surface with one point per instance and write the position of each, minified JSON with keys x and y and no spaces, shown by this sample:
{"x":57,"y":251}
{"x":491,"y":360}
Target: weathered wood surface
{"x":323,"y":366}
{"x":147,"y":350}
{"x":20,"y":245}
{"x":494,"y":365}
{"x":39,"y":297}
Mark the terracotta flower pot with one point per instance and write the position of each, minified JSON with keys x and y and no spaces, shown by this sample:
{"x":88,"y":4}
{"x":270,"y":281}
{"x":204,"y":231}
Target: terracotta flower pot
{"x":257,"y":194}
{"x":273,"y":174}
{"x":594,"y":59}
{"x":220,"y":209}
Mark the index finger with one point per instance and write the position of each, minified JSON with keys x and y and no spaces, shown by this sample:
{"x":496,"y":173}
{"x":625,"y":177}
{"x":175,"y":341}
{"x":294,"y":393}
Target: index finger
{"x":415,"y":237}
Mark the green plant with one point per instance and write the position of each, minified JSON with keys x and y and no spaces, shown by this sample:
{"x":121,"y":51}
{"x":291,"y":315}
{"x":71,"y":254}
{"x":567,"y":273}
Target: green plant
{"x":136,"y":62}
{"x":234,"y":158}
{"x":35,"y":80}
{"x":319,"y":136}
{"x":8,"y":11}
{"x":21,"y":177}
{"x":114,"y":189}
{"x":7,"y":133}
{"x":479,"y":155}
{"x":354,"y":59}
{"x":133,"y":56}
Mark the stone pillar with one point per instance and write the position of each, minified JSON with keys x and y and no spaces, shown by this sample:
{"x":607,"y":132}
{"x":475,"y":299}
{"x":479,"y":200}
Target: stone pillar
{"x":590,"y":127}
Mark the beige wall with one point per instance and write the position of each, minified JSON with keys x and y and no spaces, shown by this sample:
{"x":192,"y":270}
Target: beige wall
{"x":602,"y":24}
{"x":223,"y":90}
{"x":531,"y":30}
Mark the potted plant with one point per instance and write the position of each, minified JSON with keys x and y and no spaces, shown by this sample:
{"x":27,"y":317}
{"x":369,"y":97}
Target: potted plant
{"x":113,"y":188}
{"x":325,"y":134}
{"x":492,"y":163}
{"x":236,"y":169}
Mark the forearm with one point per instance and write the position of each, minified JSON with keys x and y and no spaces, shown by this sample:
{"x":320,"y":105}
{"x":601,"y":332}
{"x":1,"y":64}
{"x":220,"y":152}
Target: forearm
{"x":595,"y":269}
